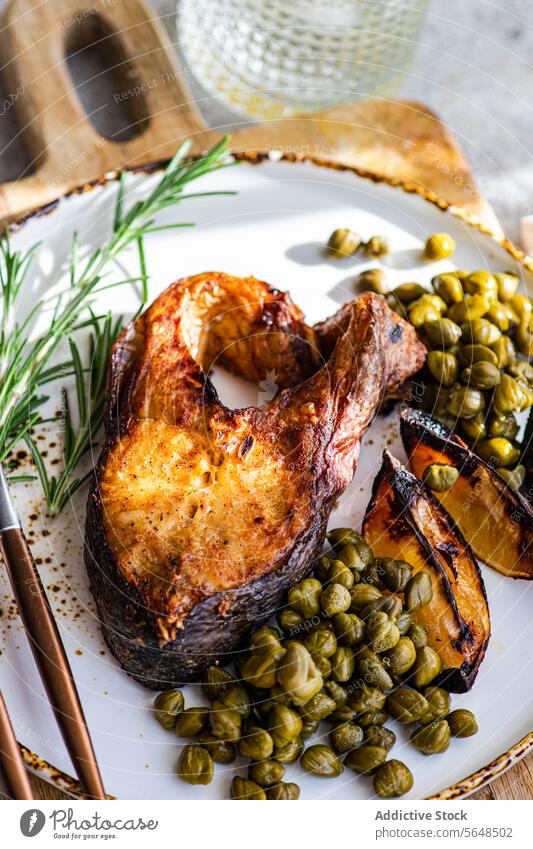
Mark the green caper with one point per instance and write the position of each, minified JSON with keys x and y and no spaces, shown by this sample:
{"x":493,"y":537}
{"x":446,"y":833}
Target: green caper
{"x":323,"y":665}
{"x":439,"y":477}
{"x":389,"y":604}
{"x":462,"y":723}
{"x":318,"y":707}
{"x":406,"y":705}
{"x":442,"y":333}
{"x":443,"y":366}
{"x":366,"y":697}
{"x":376,"y":246}
{"x":418,"y":635}
{"x":290,"y":752}
{"x":372,"y":718}
{"x":427,"y":666}
{"x":433,"y":738}
{"x":382,"y":634}
{"x":365,"y":758}
{"x":266,"y":773}
{"x":192,"y":721}
{"x":322,"y":761}
{"x":345,"y":737}
{"x":221,"y":751}
{"x":470,"y":308}
{"x":481,"y":282}
{"x":419,"y":591}
{"x":343,"y":242}
{"x":321,"y":568}
{"x":469,"y":354}
{"x":373,"y":280}
{"x":214,"y":681}
{"x":309,"y":727}
{"x":523,"y":338}
{"x":355,"y":556}
{"x":338,"y":537}
{"x":376,"y":735}
{"x":236,"y":698}
{"x":505,"y":351}
{"x":264,"y":638}
{"x":392,"y":779}
{"x":498,"y":451}
{"x":342,"y":714}
{"x":321,"y":641}
{"x":474,"y":428}
{"x":259,"y":669}
{"x":372,"y":669}
{"x":521,"y":368}
{"x":505,"y":426}
{"x":195,"y":765}
{"x":339,"y":573}
{"x":304,"y":597}
{"x":514,"y":478}
{"x":439,"y":705}
{"x":498,"y":315}
{"x":482,"y":375}
{"x":408,"y":292}
{"x":439,"y":246}
{"x":362,"y":595}
{"x":507,"y":285}
{"x":342,"y":664}
{"x":256,"y":744}
{"x":283,"y":791}
{"x":349,"y":628}
{"x":372,"y":573}
{"x":284,"y":725}
{"x":335,"y":599}
{"x":395,"y":574}
{"x":244,"y":788}
{"x":420,"y":314}
{"x":465,"y":402}
{"x":289,"y":620}
{"x":403,"y":622}
{"x":297,"y":674}
{"x":337,"y":693}
{"x":402,"y":656}
{"x":167,"y":707}
{"x":225,"y":723}
{"x":522,"y":306}
{"x":449,"y":288}
{"x":479,"y":331}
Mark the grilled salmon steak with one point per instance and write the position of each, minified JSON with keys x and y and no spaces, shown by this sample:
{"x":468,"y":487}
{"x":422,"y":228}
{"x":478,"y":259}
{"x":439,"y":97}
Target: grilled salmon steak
{"x":201,"y":517}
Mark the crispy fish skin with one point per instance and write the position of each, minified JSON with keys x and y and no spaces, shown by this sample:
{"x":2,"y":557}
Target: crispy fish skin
{"x":202,"y":517}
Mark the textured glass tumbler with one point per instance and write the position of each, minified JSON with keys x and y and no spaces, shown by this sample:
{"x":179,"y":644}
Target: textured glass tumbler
{"x":275,"y":58}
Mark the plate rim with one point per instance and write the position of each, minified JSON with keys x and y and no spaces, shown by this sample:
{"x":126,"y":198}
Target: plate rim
{"x":484,"y":775}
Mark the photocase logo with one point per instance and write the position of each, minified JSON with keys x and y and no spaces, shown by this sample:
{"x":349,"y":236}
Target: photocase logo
{"x":32,"y":822}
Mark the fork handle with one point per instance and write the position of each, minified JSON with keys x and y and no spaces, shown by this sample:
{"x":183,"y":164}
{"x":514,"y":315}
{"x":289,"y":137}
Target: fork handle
{"x":50,"y":657}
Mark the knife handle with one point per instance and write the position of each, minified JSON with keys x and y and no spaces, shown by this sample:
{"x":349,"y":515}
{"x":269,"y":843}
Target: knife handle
{"x":50,"y":657}
{"x":11,"y":764}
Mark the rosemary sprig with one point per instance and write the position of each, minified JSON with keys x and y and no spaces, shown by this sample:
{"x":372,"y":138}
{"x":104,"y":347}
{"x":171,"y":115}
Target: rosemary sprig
{"x":25,"y":366}
{"x":90,"y":401}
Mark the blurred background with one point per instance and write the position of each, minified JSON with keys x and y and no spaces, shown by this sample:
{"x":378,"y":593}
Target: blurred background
{"x":468,"y":61}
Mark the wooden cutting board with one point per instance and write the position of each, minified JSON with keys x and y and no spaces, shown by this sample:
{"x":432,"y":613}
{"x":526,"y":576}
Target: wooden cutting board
{"x":400,"y":140}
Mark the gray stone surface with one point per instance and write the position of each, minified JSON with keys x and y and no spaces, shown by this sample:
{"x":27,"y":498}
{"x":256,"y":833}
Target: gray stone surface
{"x":473,"y":66}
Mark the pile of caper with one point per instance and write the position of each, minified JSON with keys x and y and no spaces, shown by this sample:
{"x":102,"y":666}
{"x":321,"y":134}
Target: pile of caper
{"x":345,"y":242}
{"x":479,"y":333}
{"x":348,"y":651}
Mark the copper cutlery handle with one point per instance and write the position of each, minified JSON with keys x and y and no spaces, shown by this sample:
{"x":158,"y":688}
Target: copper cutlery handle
{"x":50,"y":657}
{"x":11,"y":763}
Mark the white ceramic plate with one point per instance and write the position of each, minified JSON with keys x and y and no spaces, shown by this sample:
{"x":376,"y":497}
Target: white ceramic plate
{"x":274,"y":229}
